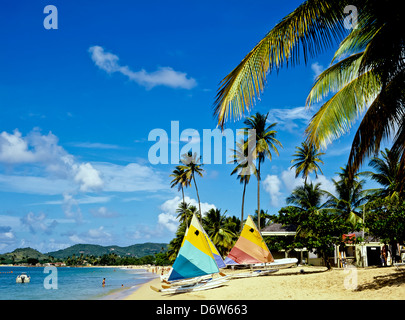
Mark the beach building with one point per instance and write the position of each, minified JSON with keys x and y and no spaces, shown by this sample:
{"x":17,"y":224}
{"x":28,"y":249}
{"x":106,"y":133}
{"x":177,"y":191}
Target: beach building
{"x":278,"y":230}
{"x":369,"y":253}
{"x":365,"y":254}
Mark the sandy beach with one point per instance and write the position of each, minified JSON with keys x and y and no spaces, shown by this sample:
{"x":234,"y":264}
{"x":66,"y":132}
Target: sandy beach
{"x":292,"y":284}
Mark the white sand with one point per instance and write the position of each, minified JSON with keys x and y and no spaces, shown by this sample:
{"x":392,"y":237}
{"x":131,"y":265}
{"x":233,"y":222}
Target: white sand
{"x":314,"y":283}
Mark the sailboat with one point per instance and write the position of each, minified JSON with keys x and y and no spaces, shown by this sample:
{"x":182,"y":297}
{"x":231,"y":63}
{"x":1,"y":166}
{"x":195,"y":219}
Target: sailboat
{"x":250,"y":249}
{"x":194,"y":262}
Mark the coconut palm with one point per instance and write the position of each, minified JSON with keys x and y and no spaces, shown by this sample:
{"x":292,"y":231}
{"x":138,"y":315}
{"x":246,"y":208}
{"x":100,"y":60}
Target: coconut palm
{"x":350,"y":197}
{"x":175,"y":243}
{"x":179,"y":180}
{"x":190,"y":168}
{"x":306,"y":197}
{"x":306,"y":161}
{"x":185,"y":212}
{"x":215,"y":224}
{"x":367,"y":76}
{"x":314,"y":26}
{"x":244,"y":168}
{"x":265,"y":143}
{"x":388,"y":174}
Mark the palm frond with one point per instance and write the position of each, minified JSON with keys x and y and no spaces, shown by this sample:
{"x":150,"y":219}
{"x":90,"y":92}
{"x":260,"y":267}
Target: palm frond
{"x":336,"y":116}
{"x":309,"y":29}
{"x":335,"y":78}
{"x":380,"y":121}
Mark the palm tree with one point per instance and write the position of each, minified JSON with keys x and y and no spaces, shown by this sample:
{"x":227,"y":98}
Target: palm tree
{"x":179,"y":180}
{"x":306,"y":161}
{"x":388,"y":174}
{"x":191,"y":167}
{"x":185,"y":212}
{"x":175,"y":243}
{"x":306,"y":197}
{"x":215,"y":224}
{"x":263,"y":216}
{"x":310,"y":29}
{"x":244,"y":168}
{"x":265,"y":143}
{"x":350,"y":197}
{"x":368,"y":76}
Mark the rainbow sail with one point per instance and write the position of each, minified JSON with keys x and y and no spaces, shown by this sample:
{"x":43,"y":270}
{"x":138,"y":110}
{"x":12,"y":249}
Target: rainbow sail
{"x":195,"y":257}
{"x":250,"y":247}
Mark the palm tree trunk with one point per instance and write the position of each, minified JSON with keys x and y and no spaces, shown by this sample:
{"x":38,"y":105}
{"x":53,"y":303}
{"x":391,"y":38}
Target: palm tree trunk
{"x":243,"y":204}
{"x":182,"y":192}
{"x":258,"y":197}
{"x":198,"y":197}
{"x":184,"y":204}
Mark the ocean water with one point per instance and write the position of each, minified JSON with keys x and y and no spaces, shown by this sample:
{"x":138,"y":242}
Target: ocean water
{"x":71,"y":283}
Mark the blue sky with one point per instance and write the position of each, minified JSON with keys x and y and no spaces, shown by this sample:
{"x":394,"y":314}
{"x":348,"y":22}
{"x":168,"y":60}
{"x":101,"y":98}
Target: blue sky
{"x":79,"y":102}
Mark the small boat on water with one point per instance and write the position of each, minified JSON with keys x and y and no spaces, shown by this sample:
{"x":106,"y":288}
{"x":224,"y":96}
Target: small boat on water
{"x":23,"y":278}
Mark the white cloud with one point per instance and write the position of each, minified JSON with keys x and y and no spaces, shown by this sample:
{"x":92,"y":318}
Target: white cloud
{"x":61,"y":169}
{"x":88,"y":177}
{"x":290,"y":118}
{"x":14,"y":149}
{"x":129,"y":178}
{"x":7,"y":237}
{"x":164,"y":76}
{"x":168,"y":218}
{"x":326,"y":184}
{"x":38,"y":222}
{"x":95,"y":235}
{"x":94,"y":145}
{"x":34,"y":185}
{"x":71,"y":208}
{"x":290,"y":182}
{"x":272,"y":185}
{"x":169,"y":221}
{"x":103,"y":212}
{"x":98,"y":234}
{"x":317,"y":69}
{"x":6,"y":233}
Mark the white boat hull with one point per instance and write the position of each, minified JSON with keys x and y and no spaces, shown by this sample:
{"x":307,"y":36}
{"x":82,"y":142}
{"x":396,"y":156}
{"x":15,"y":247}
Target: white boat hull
{"x":22,"y":279}
{"x":188,"y":281}
{"x":194,"y":287}
{"x":279,"y":263}
{"x":256,"y":273}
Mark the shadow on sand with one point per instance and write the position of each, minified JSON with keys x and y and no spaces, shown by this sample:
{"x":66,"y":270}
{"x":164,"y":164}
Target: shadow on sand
{"x":390,"y":280}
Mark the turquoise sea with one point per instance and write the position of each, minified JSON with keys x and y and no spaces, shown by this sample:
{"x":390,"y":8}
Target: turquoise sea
{"x":71,"y":283}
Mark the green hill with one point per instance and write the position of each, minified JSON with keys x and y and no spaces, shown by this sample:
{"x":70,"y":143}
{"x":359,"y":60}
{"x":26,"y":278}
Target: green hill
{"x":136,"y":250}
{"x":32,"y":256}
{"x":23,"y":255}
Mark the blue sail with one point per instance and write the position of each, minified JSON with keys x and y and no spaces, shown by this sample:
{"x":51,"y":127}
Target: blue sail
{"x":195,"y":257}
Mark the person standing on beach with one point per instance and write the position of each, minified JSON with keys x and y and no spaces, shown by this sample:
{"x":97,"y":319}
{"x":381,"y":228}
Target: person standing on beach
{"x":103,"y":282}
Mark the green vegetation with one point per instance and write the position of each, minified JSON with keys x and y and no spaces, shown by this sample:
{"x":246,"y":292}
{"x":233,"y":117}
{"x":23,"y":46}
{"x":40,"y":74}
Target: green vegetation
{"x":85,"y":254}
{"x":365,"y":78}
{"x":136,"y":250}
{"x":24,"y":255}
{"x":320,"y":217}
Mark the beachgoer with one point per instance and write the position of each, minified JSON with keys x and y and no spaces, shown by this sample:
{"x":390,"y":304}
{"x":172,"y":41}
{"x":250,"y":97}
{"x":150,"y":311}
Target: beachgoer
{"x":104,"y":282}
{"x":384,"y":256}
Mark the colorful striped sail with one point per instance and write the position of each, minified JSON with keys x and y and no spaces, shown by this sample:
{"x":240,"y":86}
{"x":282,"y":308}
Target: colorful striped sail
{"x":217,"y":256}
{"x":250,"y":247}
{"x":195,"y":258}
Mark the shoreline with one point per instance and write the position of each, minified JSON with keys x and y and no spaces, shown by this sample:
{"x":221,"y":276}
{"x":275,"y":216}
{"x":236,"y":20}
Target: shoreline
{"x":314,"y":283}
{"x":124,"y":293}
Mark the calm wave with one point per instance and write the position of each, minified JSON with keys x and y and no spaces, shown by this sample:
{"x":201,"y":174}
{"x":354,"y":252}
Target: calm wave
{"x":72,"y":283}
